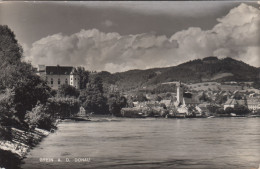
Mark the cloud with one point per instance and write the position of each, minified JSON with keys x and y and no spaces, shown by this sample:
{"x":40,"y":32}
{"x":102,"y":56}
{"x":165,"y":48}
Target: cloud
{"x":101,"y":51}
{"x":235,"y":35}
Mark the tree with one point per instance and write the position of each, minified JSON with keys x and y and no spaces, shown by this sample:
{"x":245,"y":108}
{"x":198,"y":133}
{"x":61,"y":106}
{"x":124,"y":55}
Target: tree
{"x":10,"y":55}
{"x":204,"y":97}
{"x":19,"y":76}
{"x":116,"y":103}
{"x":28,"y":92}
{"x":97,"y":84}
{"x":238,"y":96}
{"x":68,"y":90}
{"x":6,"y":114}
{"x":229,"y":110}
{"x":256,"y":84}
{"x":10,"y":50}
{"x":130,"y":101}
{"x":163,"y":105}
{"x":212,"y":108}
{"x":220,"y":111}
{"x":241,"y":110}
{"x":158,"y":98}
{"x":220,"y":98}
{"x":140,"y":97}
{"x":6,"y":107}
{"x":93,"y":98}
{"x":40,"y":117}
{"x":83,"y":77}
{"x":61,"y":107}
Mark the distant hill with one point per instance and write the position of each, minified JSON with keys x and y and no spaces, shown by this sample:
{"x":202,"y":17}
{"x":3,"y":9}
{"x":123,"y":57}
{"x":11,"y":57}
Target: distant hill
{"x":199,"y":70}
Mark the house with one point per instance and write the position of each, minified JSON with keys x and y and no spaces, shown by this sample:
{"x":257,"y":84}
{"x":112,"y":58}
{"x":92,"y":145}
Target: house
{"x":167,"y":103}
{"x":82,"y":111}
{"x":136,"y":104}
{"x":253,"y":103}
{"x":56,"y":76}
{"x":233,"y":103}
{"x":182,"y":111}
{"x":202,"y":109}
{"x":230,"y":103}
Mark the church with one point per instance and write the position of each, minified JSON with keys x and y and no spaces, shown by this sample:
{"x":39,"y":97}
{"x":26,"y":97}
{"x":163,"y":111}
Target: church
{"x":56,"y":76}
{"x":185,"y":101}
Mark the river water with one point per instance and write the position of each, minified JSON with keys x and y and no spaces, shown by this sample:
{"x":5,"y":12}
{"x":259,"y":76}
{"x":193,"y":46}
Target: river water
{"x":150,"y":143}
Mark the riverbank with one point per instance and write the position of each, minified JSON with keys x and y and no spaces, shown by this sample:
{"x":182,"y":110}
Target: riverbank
{"x":12,"y":152}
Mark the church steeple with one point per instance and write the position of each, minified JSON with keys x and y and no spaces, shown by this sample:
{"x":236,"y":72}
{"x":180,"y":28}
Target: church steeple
{"x":179,"y":92}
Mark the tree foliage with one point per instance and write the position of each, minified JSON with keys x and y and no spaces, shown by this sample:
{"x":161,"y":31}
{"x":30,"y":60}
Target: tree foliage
{"x":10,"y":55}
{"x":28,"y":93}
{"x":204,"y":97}
{"x":19,"y":76}
{"x":6,"y":108}
{"x":93,"y":98}
{"x":10,"y":50}
{"x":238,"y":110}
{"x":20,"y":87}
{"x":66,"y":90}
{"x":83,"y":77}
{"x":116,"y":103}
{"x":40,"y":117}
{"x":61,"y":107}
{"x":190,"y":72}
{"x":140,"y":97}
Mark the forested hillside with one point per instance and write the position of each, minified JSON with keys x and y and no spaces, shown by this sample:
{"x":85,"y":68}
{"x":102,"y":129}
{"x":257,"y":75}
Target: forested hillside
{"x":200,"y":70}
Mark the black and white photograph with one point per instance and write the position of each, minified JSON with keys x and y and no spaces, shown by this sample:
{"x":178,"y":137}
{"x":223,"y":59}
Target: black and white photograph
{"x":129,"y":84}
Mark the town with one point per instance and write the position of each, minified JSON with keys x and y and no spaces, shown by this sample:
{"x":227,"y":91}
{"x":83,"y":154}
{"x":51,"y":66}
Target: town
{"x":129,"y":85}
{"x":198,"y":100}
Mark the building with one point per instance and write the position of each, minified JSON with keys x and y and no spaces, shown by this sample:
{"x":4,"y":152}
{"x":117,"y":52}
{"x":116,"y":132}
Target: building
{"x":56,"y":76}
{"x":167,"y":103}
{"x":182,"y":111}
{"x":233,"y":103}
{"x":82,"y":112}
{"x":202,"y":109}
{"x":253,"y":103}
{"x":179,"y":93}
{"x":186,"y":101}
{"x":191,"y":101}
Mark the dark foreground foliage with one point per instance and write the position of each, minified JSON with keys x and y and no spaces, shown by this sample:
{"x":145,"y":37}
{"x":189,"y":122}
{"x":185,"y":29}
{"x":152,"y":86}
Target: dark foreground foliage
{"x":9,"y":160}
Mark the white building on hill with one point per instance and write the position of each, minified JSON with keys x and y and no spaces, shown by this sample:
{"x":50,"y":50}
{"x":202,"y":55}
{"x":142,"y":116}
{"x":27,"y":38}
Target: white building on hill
{"x":59,"y":75}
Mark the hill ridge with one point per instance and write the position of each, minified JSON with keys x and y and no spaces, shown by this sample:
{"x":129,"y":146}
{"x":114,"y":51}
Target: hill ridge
{"x":199,"y":70}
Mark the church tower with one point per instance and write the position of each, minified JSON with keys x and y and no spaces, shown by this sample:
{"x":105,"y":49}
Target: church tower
{"x":179,"y":92}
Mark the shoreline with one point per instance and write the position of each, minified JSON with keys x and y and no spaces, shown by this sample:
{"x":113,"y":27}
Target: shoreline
{"x":21,"y":143}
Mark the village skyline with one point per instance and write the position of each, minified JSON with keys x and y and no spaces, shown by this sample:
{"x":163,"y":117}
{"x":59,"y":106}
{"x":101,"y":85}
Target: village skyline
{"x":117,"y":36}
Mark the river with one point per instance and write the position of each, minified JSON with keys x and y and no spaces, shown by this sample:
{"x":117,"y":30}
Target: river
{"x":150,"y":143}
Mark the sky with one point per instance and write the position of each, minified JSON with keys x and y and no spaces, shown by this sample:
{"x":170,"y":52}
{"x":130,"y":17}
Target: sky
{"x":118,"y":36}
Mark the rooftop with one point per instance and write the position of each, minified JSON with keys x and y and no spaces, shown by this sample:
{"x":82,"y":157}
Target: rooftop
{"x":235,"y":102}
{"x":253,"y":101}
{"x":59,"y":70}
